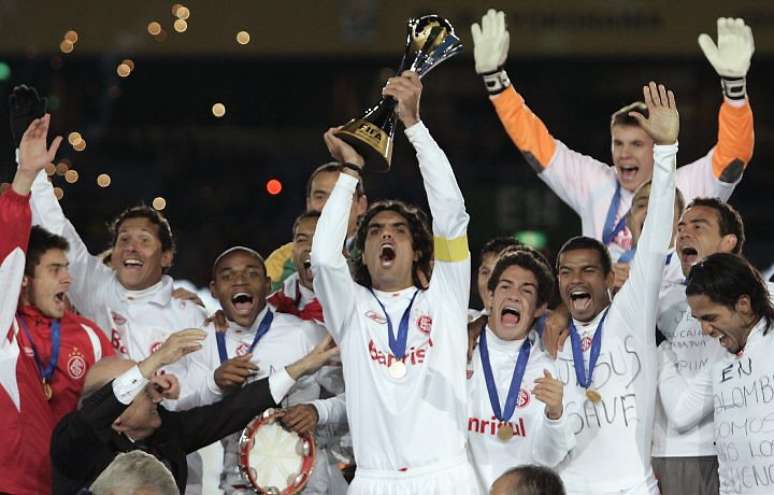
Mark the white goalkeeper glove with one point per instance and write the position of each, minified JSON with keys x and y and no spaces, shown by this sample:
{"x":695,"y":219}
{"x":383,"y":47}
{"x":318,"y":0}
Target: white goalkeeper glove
{"x":731,"y":56}
{"x":490,"y":49}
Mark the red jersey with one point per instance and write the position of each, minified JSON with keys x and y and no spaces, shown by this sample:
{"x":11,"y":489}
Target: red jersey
{"x":26,"y":420}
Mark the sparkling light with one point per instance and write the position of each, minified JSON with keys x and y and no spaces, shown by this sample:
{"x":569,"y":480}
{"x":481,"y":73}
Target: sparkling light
{"x":129,"y":62}
{"x":103,"y":180}
{"x":243,"y":37}
{"x":71,"y":36}
{"x":62,"y":168}
{"x":66,"y":46}
{"x":180,"y":26}
{"x":72,"y":176}
{"x":58,"y":192}
{"x":273,"y":187}
{"x":123,"y":70}
{"x":74,"y":137}
{"x":219,"y":110}
{"x":182,"y":13}
{"x":50,"y":169}
{"x":159,"y":203}
{"x":154,"y":28}
{"x":80,"y":145}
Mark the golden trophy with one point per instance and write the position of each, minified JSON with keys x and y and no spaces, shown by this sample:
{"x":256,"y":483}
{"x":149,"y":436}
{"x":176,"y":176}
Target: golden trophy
{"x":430,"y":40}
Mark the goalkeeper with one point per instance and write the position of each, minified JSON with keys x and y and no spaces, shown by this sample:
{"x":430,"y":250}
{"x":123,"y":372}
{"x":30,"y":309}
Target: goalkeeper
{"x":600,"y":194}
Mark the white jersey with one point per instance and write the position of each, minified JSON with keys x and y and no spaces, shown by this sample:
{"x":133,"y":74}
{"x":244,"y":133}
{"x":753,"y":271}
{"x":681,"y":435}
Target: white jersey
{"x":390,"y":417}
{"x":537,"y":439}
{"x":617,"y":430}
{"x":676,"y":432}
{"x":288,"y":340}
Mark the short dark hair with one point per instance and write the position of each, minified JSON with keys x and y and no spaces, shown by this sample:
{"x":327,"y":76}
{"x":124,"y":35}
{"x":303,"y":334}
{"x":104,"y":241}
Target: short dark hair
{"x":305,"y":215}
{"x":535,"y":480}
{"x":41,"y":240}
{"x":529,"y":261}
{"x":331,"y":167}
{"x":729,"y":220}
{"x":622,"y":117}
{"x":236,"y":249}
{"x":724,"y":278}
{"x":497,"y":245}
{"x":154,"y":216}
{"x":582,"y":242}
{"x":421,"y":239}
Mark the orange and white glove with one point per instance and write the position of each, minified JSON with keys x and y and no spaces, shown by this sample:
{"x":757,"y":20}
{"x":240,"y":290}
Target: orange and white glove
{"x":491,"y":41}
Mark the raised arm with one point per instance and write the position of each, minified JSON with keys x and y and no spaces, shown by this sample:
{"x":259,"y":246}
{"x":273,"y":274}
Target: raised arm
{"x":717,"y":173}
{"x":639,"y":294}
{"x":569,"y":174}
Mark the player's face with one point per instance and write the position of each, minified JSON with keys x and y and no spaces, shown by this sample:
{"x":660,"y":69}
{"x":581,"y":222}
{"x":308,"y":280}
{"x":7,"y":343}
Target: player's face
{"x":639,"y":211}
{"x":728,"y":325}
{"x":241,"y":287}
{"x":632,"y":151}
{"x":321,"y":188}
{"x":141,"y":418}
{"x":47,"y":288}
{"x":484,"y":270}
{"x":138,"y":257}
{"x":302,"y":248}
{"x":698,"y":236}
{"x":583,"y":284}
{"x":514,"y":305}
{"x":389,"y":252}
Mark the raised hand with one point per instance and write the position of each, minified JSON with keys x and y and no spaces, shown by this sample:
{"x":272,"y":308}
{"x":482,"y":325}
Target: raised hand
{"x":550,"y":391}
{"x":556,"y":329}
{"x":341,"y":151}
{"x":323,"y":353}
{"x":491,"y":41}
{"x":663,"y":122}
{"x":407,"y":90}
{"x":234,"y":372}
{"x":34,"y":155}
{"x":187,"y":295}
{"x":175,"y":347}
{"x":731,"y":56}
{"x":25,"y":106}
{"x":301,"y":418}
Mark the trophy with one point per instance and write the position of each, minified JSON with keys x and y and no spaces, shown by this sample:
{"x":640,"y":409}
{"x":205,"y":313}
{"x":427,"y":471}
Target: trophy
{"x":429,"y":41}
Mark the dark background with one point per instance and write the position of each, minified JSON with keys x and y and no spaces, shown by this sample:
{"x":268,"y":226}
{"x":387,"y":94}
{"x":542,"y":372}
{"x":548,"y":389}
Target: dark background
{"x":154,"y":133}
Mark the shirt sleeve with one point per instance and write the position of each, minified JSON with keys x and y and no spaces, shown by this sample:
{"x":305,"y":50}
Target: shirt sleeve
{"x":333,"y":284}
{"x":556,"y":439}
{"x":332,"y":410}
{"x":639,"y":295}
{"x":88,"y":274}
{"x":686,"y":401}
{"x":15,"y":223}
{"x":451,"y":269}
{"x":128,"y":385}
{"x":716,"y":174}
{"x":571,"y":175}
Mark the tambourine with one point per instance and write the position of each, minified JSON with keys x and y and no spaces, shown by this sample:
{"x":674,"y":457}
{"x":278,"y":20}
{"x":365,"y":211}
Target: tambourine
{"x":273,"y":460}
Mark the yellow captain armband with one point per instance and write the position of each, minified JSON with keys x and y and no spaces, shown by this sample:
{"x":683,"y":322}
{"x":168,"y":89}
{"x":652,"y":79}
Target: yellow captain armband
{"x":451,"y":250}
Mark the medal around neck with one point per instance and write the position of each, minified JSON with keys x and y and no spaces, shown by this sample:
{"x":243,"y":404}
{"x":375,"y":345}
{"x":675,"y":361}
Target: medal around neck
{"x":397,"y":370}
{"x":505,"y":433}
{"x":47,"y":391}
{"x":430,"y":40}
{"x":593,"y":395}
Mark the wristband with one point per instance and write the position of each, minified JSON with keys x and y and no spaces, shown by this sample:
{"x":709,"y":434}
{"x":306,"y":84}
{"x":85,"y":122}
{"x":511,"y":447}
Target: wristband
{"x":496,"y":82}
{"x":352,"y":166}
{"x":734,"y":88}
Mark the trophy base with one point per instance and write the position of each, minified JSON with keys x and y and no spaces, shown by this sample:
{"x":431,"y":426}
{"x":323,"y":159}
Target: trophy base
{"x":370,"y":141}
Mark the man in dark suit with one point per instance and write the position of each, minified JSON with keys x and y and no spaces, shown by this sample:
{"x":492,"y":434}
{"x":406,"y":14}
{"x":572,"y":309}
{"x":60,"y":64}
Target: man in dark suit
{"x":120,"y":412}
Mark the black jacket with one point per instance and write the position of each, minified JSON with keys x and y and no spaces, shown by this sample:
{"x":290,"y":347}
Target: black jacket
{"x":84,"y":443}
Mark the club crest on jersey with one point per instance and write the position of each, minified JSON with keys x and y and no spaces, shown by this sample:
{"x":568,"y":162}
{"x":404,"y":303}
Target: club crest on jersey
{"x":425,"y":324}
{"x":76,"y":365}
{"x":117,"y":318}
{"x":585,"y":344}
{"x":155,"y":347}
{"x":524,"y":398}
{"x":375,"y":316}
{"x":242,"y":349}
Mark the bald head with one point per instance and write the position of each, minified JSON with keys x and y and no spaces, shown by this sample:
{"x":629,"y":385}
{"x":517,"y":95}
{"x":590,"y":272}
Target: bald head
{"x":528,"y":480}
{"x":103,"y":372}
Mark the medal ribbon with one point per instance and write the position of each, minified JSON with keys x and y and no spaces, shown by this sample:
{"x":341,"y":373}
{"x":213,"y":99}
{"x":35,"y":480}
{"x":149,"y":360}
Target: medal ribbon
{"x":56,"y":341}
{"x":577,"y":354}
{"x":397,"y":344}
{"x":516,"y":379}
{"x":262,"y":329}
{"x":612,"y":229}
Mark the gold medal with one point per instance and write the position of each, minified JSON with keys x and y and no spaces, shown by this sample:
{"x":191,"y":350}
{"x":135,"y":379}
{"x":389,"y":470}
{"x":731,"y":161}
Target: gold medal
{"x":397,"y":370}
{"x":47,"y":390}
{"x":593,"y":395}
{"x":505,"y":433}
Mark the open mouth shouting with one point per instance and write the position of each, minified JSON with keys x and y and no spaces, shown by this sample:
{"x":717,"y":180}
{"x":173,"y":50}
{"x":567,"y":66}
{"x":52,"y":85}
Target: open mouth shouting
{"x":689,"y":255}
{"x":307,"y":262}
{"x":386,"y":255}
{"x":580,"y":299}
{"x":243,"y":303}
{"x":510,"y":316}
{"x":134,"y":264}
{"x":628,"y":172}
